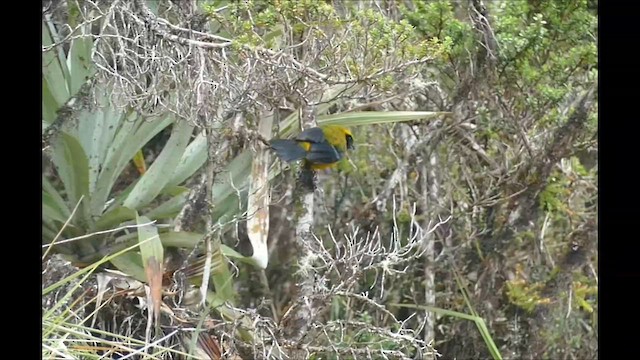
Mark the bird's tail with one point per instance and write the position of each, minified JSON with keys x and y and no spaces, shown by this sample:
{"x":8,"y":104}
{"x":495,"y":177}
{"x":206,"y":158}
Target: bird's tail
{"x":288,"y":150}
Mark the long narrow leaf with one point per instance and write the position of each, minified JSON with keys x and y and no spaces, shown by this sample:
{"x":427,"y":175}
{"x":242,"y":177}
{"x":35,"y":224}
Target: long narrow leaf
{"x":52,"y":70}
{"x":133,"y":134}
{"x":482,"y":327}
{"x":130,"y":263}
{"x":62,"y":59}
{"x":168,"y":208}
{"x":112,"y":164}
{"x":193,"y":158}
{"x":375,"y":117}
{"x":49,"y":105}
{"x":112,"y":118}
{"x":155,"y":179}
{"x":115,"y":217}
{"x":88,"y":125}
{"x":234,"y":178}
{"x":221,"y":276}
{"x":72,"y":166}
{"x":188,"y":240}
{"x":79,"y":61}
{"x":150,"y":244}
{"x":50,"y":210}
{"x":232,"y":207}
{"x":106,"y":124}
{"x":60,"y":204}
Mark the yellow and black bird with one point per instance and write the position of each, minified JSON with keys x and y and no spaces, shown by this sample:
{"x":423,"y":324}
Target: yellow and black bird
{"x":318,"y":147}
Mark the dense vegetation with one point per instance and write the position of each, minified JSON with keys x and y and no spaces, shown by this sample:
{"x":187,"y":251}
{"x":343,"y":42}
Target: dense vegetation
{"x":464,"y":223}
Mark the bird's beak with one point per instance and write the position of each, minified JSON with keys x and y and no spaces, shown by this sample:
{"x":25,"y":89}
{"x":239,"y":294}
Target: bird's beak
{"x":350,"y":145}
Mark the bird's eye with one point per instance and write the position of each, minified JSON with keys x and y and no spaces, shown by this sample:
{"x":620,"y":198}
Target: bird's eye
{"x":350,"y":142}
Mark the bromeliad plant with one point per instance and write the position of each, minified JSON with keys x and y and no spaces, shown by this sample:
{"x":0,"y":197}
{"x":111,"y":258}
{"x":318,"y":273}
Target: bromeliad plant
{"x":84,"y":216}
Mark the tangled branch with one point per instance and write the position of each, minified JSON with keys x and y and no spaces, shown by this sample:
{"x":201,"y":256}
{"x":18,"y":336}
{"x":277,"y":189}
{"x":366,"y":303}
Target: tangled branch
{"x":159,"y":66}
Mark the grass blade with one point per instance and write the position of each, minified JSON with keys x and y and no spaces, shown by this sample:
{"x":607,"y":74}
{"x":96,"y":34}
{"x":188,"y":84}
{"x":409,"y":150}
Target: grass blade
{"x":482,"y":327}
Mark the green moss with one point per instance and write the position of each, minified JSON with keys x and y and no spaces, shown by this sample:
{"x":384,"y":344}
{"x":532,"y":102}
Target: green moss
{"x":403,"y":217}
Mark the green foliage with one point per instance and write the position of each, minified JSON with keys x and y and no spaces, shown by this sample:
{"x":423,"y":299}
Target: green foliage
{"x":560,"y":335}
{"x":552,"y":197}
{"x":525,"y":296}
{"x":384,"y":37}
{"x":374,"y":40}
{"x":437,"y":22}
{"x":577,"y":166}
{"x":584,"y":295}
{"x":404,"y":217}
{"x":543,"y":45}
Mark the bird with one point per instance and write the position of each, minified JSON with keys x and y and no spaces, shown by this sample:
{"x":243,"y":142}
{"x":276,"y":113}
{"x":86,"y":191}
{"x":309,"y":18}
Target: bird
{"x":318,"y":147}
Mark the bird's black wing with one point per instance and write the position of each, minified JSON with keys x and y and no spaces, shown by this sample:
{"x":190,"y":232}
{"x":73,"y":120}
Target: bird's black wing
{"x":288,"y":150}
{"x":323,"y":153}
{"x":312,"y":135}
